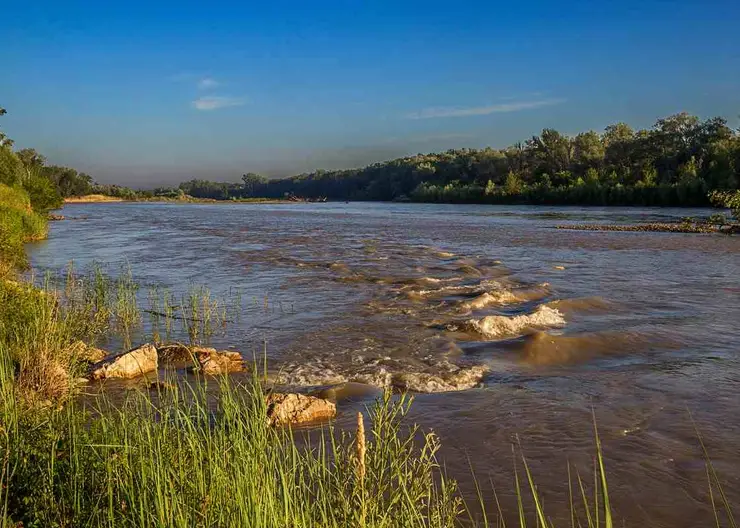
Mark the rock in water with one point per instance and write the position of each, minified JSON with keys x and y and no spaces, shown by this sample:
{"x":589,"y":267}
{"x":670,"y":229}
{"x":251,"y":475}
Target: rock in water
{"x":462,"y":379}
{"x":298,"y":408}
{"x":127,"y":365}
{"x":223,"y":362}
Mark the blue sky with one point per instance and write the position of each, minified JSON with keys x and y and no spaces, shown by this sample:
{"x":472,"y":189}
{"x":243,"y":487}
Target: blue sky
{"x":144,"y":93}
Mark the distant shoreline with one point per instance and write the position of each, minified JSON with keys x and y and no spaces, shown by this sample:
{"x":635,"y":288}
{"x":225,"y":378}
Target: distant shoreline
{"x":92,"y":198}
{"x":100,"y":198}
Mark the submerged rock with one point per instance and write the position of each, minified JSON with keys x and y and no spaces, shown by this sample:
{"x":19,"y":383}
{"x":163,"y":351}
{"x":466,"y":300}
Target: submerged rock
{"x":214,"y":363}
{"x":377,"y":377}
{"x":672,"y":227}
{"x":298,"y":408}
{"x":130,"y":364}
{"x":461,"y":379}
{"x":385,"y":373}
{"x":347,"y":391}
{"x":310,"y":374}
{"x":503,"y":326}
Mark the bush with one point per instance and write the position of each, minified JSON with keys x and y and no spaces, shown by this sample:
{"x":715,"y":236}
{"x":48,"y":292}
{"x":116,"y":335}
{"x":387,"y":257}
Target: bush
{"x":11,"y":167}
{"x":18,"y":224}
{"x":43,"y":193}
{"x":728,"y":199}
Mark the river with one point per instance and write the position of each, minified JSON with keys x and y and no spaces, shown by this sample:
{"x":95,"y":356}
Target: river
{"x":508,"y":330}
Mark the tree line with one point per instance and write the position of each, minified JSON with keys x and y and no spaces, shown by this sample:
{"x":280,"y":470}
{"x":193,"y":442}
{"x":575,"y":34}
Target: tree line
{"x":47,"y":185}
{"x":679,"y":161}
{"x":676,"y":162}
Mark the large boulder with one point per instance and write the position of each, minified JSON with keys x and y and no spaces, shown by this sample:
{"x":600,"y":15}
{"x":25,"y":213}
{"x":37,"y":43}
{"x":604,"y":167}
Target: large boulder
{"x":130,"y":364}
{"x":298,"y":408}
{"x":214,"y":362}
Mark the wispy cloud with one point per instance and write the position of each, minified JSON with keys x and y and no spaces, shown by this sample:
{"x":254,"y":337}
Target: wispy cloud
{"x":214,"y":102}
{"x":431,"y":113}
{"x":207,"y":83}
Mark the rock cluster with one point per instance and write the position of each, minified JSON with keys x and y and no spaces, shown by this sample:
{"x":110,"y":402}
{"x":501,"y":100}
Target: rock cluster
{"x":282,"y":408}
{"x":678,"y":227}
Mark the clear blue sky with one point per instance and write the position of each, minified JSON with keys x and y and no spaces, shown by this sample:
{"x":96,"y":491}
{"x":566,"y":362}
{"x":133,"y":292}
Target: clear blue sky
{"x":153,"y":92}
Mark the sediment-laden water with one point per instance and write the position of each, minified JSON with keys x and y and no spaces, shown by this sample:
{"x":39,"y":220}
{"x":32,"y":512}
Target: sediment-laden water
{"x":507,"y":329}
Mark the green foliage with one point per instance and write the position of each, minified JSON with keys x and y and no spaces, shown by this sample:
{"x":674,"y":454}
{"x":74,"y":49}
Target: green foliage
{"x":43,"y":193}
{"x":674,"y":163}
{"x":68,"y":181}
{"x":18,"y":224}
{"x":513,"y":184}
{"x":212,"y":190}
{"x":11,"y":168}
{"x":252,"y":182}
{"x":730,"y":200}
{"x":181,"y":461}
{"x":115,"y":191}
{"x":46,"y":184}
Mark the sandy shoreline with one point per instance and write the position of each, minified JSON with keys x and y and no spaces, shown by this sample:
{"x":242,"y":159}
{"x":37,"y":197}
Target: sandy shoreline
{"x":99,"y":198}
{"x":92,"y":198}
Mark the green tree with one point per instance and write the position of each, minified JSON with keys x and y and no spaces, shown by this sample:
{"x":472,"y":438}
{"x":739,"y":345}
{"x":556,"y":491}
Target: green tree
{"x":513,"y":185}
{"x":5,"y":141}
{"x":588,"y":150}
{"x":252,"y":182}
{"x":31,"y":158}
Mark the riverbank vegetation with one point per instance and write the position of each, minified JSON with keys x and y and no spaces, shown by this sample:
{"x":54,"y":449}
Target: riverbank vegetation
{"x":728,"y":199}
{"x":174,"y":457}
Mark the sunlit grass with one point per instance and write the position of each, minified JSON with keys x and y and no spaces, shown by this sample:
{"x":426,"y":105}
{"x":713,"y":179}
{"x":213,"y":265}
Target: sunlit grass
{"x":183,"y":461}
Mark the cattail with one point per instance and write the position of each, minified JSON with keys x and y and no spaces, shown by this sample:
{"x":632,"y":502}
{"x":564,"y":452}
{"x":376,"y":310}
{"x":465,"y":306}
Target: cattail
{"x":360,"y":447}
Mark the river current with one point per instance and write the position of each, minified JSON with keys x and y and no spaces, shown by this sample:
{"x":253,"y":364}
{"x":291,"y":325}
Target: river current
{"x":507,"y":330}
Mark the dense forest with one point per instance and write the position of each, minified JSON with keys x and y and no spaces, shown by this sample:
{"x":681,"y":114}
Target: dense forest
{"x":680,"y":161}
{"x":676,"y":162}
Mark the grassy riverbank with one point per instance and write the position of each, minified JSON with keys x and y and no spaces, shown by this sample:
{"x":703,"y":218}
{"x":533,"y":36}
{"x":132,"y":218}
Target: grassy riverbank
{"x":177,"y":456}
{"x":184,"y":454}
{"x":18,"y":224}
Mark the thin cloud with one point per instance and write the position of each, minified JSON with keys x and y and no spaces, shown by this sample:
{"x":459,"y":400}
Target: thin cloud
{"x":214,"y":102}
{"x":208,"y":83}
{"x":431,"y":113}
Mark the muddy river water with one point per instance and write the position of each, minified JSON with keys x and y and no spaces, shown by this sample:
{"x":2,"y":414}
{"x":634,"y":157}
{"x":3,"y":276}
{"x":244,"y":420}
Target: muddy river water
{"x":506,"y":329}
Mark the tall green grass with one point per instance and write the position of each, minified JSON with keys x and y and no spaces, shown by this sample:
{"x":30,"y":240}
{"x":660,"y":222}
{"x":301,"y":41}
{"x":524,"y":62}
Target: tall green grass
{"x":180,"y":460}
{"x":18,"y":224}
